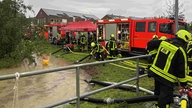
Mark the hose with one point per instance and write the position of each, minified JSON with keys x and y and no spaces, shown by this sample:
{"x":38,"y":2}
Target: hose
{"x":78,"y":61}
{"x":126,"y":87}
{"x":56,"y":51}
{"x":74,"y":52}
{"x":129,"y":100}
{"x":132,"y":63}
{"x":133,"y":69}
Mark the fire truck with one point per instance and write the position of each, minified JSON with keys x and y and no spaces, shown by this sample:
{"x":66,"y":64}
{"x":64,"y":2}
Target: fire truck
{"x":53,"y":29}
{"x":132,"y":34}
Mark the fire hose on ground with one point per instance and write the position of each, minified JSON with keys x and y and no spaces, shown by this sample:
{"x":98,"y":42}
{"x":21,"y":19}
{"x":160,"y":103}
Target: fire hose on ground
{"x":126,"y":87}
{"x":129,"y":100}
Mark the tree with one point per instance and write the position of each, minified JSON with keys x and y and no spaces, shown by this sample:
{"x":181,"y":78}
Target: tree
{"x":12,"y":25}
{"x":170,"y":9}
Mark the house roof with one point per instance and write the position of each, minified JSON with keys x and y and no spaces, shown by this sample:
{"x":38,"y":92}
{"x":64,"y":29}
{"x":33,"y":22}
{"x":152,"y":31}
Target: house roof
{"x":112,"y":16}
{"x":59,"y":13}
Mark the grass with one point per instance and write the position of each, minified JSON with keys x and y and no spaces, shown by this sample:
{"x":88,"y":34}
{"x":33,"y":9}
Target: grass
{"x":109,"y":73}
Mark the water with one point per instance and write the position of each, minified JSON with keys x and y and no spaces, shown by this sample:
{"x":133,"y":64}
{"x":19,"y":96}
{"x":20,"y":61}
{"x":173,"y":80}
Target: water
{"x":40,"y":90}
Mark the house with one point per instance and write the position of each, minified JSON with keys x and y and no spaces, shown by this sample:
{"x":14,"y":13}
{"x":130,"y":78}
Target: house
{"x":111,"y":16}
{"x":46,"y":16}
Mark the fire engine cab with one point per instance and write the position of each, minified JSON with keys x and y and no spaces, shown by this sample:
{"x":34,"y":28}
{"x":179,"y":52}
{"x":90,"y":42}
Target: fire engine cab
{"x":133,"y":34}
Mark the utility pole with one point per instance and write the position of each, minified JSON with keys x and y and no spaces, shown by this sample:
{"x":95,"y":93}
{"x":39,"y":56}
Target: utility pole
{"x":176,"y":16}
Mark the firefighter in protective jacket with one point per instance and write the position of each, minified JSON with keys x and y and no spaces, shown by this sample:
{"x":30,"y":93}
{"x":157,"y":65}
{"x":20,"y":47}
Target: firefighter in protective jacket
{"x":83,"y":41}
{"x":98,"y":51}
{"x":152,"y":47}
{"x":189,"y":55}
{"x":112,"y":46}
{"x":170,"y":66}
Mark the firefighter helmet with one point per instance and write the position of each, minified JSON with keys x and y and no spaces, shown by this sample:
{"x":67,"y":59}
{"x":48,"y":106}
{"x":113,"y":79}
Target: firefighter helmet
{"x":92,"y":44}
{"x":163,"y":38}
{"x":155,"y":37}
{"x":184,"y":35}
{"x":82,"y":33}
{"x":100,"y":38}
{"x":112,"y":35}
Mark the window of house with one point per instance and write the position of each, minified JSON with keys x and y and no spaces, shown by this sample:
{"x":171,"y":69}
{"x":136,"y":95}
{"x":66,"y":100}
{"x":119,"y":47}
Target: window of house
{"x":44,"y":20}
{"x":38,"y":22}
{"x":140,"y":26}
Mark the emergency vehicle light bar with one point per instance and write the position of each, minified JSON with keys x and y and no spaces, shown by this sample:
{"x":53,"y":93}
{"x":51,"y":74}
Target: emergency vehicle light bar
{"x":111,"y":20}
{"x":124,"y":19}
{"x":100,"y":21}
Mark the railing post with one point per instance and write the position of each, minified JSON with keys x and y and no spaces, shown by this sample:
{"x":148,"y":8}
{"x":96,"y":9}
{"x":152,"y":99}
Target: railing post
{"x":78,"y":87}
{"x":137,"y":75}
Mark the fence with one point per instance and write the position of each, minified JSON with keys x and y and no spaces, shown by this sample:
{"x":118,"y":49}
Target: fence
{"x":77,"y":67}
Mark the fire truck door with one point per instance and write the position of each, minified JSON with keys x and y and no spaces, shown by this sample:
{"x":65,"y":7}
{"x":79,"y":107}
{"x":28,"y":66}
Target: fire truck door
{"x":110,"y":29}
{"x":138,"y":39}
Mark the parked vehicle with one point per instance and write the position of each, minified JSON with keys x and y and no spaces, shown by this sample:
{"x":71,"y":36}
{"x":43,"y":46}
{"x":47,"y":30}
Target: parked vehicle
{"x":132,"y":34}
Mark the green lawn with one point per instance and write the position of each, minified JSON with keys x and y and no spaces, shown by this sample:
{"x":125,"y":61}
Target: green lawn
{"x":109,"y":73}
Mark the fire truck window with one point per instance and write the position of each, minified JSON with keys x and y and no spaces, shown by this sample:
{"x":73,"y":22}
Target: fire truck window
{"x":182,"y":26}
{"x":140,"y":26}
{"x":152,"y":26}
{"x":123,"y":31}
{"x":166,"y":28}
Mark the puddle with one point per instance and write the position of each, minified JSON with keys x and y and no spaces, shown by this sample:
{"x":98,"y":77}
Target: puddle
{"x":40,"y":90}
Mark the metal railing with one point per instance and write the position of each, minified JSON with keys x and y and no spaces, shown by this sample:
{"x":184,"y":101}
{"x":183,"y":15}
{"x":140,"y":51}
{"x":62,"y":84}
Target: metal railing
{"x":77,"y":67}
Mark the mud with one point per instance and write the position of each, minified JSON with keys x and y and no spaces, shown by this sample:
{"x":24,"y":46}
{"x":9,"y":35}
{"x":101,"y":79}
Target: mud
{"x":40,"y":90}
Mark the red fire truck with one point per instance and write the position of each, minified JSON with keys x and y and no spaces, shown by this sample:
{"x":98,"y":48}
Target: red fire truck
{"x":132,"y":34}
{"x":53,"y":29}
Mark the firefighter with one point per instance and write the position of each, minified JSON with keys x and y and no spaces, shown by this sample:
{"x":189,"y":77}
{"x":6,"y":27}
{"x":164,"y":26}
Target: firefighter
{"x":162,"y":38}
{"x":151,"y":49}
{"x":90,"y":40}
{"x":155,"y":37}
{"x":98,"y":51}
{"x":82,"y":41}
{"x":73,"y":40}
{"x":189,"y":55}
{"x":112,"y":46}
{"x":189,"y":58}
{"x":169,"y":67}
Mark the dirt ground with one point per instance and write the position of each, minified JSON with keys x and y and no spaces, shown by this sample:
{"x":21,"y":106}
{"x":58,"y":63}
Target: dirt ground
{"x":41,"y":90}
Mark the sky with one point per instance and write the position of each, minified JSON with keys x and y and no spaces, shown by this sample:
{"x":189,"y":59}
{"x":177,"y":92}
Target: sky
{"x":99,"y":8}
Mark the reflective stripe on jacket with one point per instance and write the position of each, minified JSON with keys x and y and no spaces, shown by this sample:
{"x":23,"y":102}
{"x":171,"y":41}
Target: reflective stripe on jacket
{"x":112,"y":45}
{"x":83,"y":39}
{"x":99,"y":48}
{"x":164,"y":64}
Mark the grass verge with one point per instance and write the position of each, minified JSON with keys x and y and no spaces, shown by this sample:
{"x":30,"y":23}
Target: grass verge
{"x":110,"y":73}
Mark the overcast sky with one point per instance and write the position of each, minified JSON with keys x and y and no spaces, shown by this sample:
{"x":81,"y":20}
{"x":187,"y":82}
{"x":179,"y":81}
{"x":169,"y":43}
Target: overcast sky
{"x":99,"y":8}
